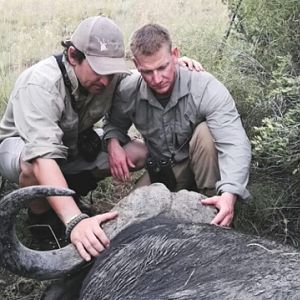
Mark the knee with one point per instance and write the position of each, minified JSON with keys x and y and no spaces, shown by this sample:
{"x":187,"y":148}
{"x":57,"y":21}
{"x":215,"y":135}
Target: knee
{"x":202,"y":140}
{"x":137,"y":153}
{"x":27,"y":177}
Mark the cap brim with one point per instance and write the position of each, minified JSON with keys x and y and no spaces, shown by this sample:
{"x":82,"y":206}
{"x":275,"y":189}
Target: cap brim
{"x":107,"y":65}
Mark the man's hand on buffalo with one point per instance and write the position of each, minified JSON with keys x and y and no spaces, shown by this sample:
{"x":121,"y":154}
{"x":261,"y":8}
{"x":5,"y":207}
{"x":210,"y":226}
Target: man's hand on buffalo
{"x":225,"y":205}
{"x":88,"y":236}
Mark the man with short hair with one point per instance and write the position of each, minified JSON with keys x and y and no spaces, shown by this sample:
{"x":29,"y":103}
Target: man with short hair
{"x":189,"y":122}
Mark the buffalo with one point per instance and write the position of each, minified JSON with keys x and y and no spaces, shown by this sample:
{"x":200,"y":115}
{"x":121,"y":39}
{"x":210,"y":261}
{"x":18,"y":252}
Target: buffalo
{"x":162,"y":248}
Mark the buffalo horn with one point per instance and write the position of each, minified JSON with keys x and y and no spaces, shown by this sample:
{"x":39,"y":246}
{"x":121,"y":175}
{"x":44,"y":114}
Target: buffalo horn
{"x":17,"y":258}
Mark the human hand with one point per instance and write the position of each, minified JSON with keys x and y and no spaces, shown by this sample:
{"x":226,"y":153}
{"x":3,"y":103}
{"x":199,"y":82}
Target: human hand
{"x":191,"y":64}
{"x":89,"y":238}
{"x":119,"y":162}
{"x":225,"y":204}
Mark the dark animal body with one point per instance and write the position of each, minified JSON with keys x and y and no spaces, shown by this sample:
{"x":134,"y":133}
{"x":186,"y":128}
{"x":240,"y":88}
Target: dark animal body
{"x":162,"y":258}
{"x":170,"y":252}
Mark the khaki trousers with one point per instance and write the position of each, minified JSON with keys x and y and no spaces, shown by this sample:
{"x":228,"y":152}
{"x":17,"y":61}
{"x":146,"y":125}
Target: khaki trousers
{"x":201,"y":171}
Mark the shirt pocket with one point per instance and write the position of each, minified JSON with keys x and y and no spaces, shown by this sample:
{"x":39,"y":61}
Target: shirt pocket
{"x":185,"y":124}
{"x":148,"y":123}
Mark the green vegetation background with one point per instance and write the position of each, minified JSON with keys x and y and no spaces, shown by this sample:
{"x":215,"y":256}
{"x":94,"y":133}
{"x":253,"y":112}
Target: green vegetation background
{"x":252,"y":46}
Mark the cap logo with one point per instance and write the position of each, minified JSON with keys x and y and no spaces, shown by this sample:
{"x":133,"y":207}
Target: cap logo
{"x":108,"y":45}
{"x":103,"y":44}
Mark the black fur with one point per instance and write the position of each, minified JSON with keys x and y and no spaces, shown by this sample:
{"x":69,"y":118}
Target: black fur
{"x":164,"y":258}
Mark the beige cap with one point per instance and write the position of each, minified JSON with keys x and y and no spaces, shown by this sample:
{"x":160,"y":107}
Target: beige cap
{"x":101,"y":40}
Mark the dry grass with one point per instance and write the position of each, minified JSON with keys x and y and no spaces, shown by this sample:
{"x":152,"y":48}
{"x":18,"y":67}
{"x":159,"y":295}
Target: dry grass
{"x":33,"y":29}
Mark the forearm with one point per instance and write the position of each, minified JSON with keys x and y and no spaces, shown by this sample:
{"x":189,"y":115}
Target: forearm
{"x":47,"y":172}
{"x":111,"y":132}
{"x":112,"y":143}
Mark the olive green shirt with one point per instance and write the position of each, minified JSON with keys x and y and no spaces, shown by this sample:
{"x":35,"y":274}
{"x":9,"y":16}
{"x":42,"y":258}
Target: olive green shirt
{"x":40,"y":111}
{"x":196,"y":97}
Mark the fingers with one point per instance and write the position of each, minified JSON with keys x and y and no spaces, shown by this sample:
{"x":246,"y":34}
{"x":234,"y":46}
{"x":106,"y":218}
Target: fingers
{"x":186,"y":62}
{"x":90,"y":246}
{"x":118,"y":162}
{"x":123,"y":169}
{"x":106,"y":217}
{"x":120,"y":172}
{"x":197,"y":66}
{"x":82,"y":252}
{"x":209,"y":201}
{"x":182,"y":61}
{"x":98,"y":238}
{"x":89,"y":238}
{"x":227,"y":221}
{"x":225,"y":206}
{"x":223,"y":218}
{"x":191,"y":64}
{"x":119,"y":167}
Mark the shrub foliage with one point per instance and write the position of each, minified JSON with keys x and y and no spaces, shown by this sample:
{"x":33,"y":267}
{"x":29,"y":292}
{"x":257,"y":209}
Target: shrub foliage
{"x":268,"y":56}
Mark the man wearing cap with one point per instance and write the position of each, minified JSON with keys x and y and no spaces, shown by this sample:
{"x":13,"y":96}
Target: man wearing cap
{"x":51,"y":104}
{"x":47,"y":135}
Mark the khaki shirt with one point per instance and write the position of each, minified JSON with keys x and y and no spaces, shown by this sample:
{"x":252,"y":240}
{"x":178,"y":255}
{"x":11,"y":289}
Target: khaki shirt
{"x":196,"y":97}
{"x":40,"y":111}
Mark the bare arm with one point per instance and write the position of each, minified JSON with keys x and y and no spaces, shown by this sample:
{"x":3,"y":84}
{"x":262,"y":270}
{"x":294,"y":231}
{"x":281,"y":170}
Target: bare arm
{"x":87,"y":236}
{"x":47,"y":172}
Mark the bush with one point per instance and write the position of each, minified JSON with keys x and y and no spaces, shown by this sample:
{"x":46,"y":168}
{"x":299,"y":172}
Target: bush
{"x":273,"y":211}
{"x":265,"y":42}
{"x":263,"y":52}
{"x":276,"y":142}
{"x":270,"y":28}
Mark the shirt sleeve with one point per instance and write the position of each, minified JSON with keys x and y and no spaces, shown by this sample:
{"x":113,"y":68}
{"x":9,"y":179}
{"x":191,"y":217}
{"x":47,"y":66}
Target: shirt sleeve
{"x":117,"y":122}
{"x":232,"y":143}
{"x":37,"y":113}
